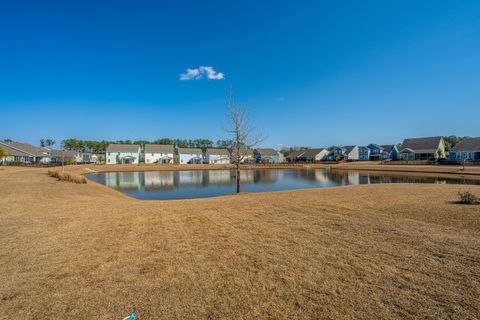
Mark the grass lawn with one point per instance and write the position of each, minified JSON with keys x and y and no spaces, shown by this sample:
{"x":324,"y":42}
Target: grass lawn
{"x":71,"y":251}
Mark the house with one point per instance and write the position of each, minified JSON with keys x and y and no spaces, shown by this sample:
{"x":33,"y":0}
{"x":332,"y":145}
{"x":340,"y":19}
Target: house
{"x":357,"y":153}
{"x":431,"y":148}
{"x":190,"y":155}
{"x":158,"y":153}
{"x":467,"y":149}
{"x":383,"y":152}
{"x":61,"y":156}
{"x":308,"y":155}
{"x":25,"y":153}
{"x":123,"y":154}
{"x":268,"y":155}
{"x":294,"y":155}
{"x":246,"y":156}
{"x":217,"y":156}
{"x":88,"y":157}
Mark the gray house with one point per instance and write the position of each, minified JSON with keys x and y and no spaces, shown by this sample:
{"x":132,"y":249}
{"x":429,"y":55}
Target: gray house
{"x":467,"y":149}
{"x":431,"y":148}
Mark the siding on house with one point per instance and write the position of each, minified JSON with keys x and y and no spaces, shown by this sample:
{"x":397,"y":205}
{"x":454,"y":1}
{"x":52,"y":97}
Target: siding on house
{"x":430,"y":148}
{"x":158,"y":153}
{"x":217,"y":156}
{"x":190,"y":155}
{"x":123,"y":154}
{"x":268,"y":155}
{"x":467,"y":149}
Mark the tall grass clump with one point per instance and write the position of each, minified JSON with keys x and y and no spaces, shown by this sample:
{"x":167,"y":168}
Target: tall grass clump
{"x":466,"y":197}
{"x":64,"y":176}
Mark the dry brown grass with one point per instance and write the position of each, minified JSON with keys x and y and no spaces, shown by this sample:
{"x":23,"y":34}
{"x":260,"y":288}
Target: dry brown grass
{"x":374,"y":251}
{"x":65,"y":176}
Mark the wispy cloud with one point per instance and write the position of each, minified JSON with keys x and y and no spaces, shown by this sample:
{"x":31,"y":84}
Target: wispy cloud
{"x":200,"y":72}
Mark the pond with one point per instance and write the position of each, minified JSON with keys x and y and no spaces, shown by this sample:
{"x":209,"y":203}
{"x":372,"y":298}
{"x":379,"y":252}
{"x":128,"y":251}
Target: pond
{"x":169,"y":185}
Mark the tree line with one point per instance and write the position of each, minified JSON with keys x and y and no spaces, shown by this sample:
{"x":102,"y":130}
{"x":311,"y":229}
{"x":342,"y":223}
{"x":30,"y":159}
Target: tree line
{"x":101,"y":146}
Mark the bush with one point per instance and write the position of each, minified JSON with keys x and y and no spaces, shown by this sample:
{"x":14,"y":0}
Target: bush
{"x":466,"y":197}
{"x":64,"y":176}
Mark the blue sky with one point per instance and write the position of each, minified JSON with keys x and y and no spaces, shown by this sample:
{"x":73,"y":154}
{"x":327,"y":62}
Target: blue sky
{"x":313,"y":73}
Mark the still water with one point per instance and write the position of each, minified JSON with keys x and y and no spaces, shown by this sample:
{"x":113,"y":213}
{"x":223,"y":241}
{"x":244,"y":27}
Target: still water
{"x":168,"y":185}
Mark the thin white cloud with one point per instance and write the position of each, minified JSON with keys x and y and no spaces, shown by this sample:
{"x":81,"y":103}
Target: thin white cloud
{"x":199,"y":73}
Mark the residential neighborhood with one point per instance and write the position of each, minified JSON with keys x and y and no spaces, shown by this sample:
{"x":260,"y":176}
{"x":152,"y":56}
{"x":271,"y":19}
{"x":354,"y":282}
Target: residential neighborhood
{"x":411,"y":150}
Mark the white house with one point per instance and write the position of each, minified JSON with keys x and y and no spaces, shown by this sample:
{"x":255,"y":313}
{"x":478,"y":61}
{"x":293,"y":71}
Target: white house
{"x":158,"y":153}
{"x":123,"y":154}
{"x":217,"y":156}
{"x":190,"y":155}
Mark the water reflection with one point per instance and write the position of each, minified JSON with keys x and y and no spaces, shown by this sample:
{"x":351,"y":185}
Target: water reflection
{"x":208,"y":183}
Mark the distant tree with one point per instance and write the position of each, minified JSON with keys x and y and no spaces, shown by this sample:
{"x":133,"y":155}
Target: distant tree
{"x":8,"y":140}
{"x":49,"y":142}
{"x":42,"y":143}
{"x":241,"y":133}
{"x":451,"y":141}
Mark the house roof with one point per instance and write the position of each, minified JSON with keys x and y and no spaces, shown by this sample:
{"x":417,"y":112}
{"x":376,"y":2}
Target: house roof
{"x":63,"y":153}
{"x":123,"y":147}
{"x":190,"y":150}
{"x":13,"y":152}
{"x":468,"y":144}
{"x":158,"y":148}
{"x":266,"y":151}
{"x":387,"y":147}
{"x":295,"y":154}
{"x":312,"y":152}
{"x":218,"y":151}
{"x":422,"y":145}
{"x":26,"y":148}
{"x":349,"y":149}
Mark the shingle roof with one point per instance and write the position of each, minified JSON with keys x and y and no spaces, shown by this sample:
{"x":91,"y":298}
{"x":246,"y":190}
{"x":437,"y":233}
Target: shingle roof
{"x":190,"y":150}
{"x":12,"y":151}
{"x":123,"y":148}
{"x":422,"y":145}
{"x":218,"y":151}
{"x":349,"y":149}
{"x":388,"y":147}
{"x":158,"y":148}
{"x":296,"y":153}
{"x":468,"y":144}
{"x":266,"y":151}
{"x":26,"y":148}
{"x":312,"y":152}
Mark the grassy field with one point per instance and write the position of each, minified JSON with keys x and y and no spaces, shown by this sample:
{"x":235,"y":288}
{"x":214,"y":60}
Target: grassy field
{"x":83,"y":251}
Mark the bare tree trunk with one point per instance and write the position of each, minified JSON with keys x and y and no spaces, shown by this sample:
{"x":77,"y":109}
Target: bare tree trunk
{"x":238,"y":178}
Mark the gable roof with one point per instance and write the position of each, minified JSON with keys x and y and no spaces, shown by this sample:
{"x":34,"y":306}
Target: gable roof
{"x":12,"y":151}
{"x":311,"y":153}
{"x":388,"y":147}
{"x":26,"y":148}
{"x":468,"y":144}
{"x":123,"y":147}
{"x":422,"y":145}
{"x":295,"y":154}
{"x":158,"y":148}
{"x":190,"y":151}
{"x":218,"y":151}
{"x":266,"y":151}
{"x":349,"y":149}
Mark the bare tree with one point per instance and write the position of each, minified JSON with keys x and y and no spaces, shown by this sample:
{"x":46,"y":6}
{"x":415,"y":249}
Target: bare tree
{"x":242,"y":135}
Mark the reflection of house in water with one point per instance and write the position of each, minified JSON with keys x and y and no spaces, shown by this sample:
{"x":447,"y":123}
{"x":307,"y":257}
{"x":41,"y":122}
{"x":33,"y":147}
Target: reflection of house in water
{"x":188,"y":178}
{"x":158,"y":180}
{"x":219,"y":176}
{"x":353,"y":177}
{"x":125,"y":181}
{"x":247,"y":176}
{"x":321,"y":176}
{"x":267,"y":176}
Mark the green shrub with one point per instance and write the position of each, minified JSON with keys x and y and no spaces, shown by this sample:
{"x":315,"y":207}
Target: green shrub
{"x":466,"y":197}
